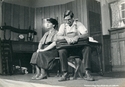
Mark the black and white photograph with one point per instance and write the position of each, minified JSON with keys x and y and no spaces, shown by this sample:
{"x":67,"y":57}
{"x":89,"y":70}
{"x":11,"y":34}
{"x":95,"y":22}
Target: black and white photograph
{"x":62,"y":43}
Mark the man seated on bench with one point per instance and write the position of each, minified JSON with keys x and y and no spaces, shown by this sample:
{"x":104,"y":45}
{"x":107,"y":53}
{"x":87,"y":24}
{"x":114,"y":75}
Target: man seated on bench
{"x":71,"y":31}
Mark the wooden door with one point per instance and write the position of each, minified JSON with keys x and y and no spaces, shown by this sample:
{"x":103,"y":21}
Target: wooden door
{"x":118,"y":49}
{"x":94,"y":25}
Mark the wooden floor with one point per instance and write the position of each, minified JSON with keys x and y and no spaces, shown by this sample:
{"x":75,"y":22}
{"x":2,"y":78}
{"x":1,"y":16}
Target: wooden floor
{"x":112,"y":79}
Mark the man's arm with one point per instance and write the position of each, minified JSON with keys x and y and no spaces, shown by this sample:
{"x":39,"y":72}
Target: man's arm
{"x":60,"y":34}
{"x":60,"y":37}
{"x":83,"y":36}
{"x":83,"y":33}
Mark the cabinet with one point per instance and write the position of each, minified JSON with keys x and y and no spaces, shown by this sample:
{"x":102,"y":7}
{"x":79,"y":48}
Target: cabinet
{"x":117,"y":37}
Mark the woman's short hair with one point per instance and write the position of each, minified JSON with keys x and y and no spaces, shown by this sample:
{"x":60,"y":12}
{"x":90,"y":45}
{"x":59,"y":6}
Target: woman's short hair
{"x":68,"y":13}
{"x":54,"y":22}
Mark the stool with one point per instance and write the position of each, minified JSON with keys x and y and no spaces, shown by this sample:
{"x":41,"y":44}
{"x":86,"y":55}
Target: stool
{"x":74,"y":62}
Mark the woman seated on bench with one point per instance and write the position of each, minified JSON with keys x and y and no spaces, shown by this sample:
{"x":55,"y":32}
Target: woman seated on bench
{"x":46,"y":52}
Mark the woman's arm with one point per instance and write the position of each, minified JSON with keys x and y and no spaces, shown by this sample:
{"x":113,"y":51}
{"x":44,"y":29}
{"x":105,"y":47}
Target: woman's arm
{"x":40,"y":45}
{"x":53,"y":44}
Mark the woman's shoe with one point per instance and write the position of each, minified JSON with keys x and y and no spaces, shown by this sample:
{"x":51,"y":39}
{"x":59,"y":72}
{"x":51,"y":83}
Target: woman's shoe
{"x":35,"y":76}
{"x":64,"y":77}
{"x":42,"y":77}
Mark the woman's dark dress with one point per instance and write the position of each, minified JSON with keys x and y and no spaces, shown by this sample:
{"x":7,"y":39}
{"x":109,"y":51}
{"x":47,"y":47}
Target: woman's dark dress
{"x":45,"y":59}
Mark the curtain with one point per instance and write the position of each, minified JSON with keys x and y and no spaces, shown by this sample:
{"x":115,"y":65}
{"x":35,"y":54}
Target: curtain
{"x":115,"y":14}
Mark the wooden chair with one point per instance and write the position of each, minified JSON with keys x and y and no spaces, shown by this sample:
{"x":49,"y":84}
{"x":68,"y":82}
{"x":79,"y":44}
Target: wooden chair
{"x":6,"y":54}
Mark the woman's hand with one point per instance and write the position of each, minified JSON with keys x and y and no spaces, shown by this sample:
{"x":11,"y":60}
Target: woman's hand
{"x":39,"y":50}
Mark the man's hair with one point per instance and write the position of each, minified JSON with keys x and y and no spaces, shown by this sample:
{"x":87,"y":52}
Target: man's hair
{"x":68,"y":13}
{"x":54,"y":22}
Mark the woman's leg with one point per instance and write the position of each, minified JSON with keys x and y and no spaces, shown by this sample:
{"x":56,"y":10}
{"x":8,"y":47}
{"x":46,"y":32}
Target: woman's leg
{"x":43,"y":74}
{"x":37,"y":72}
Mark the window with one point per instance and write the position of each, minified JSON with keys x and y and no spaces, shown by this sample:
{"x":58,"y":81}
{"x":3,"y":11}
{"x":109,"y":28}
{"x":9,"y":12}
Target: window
{"x":122,"y":8}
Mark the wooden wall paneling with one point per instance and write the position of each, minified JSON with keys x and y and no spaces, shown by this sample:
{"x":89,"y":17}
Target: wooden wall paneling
{"x":42,"y":13}
{"x":46,"y":15}
{"x":115,"y":50}
{"x":21,"y":18}
{"x":38,"y":23}
{"x":62,"y":12}
{"x":122,"y":51}
{"x":3,"y":12}
{"x":16,"y":11}
{"x":60,"y":15}
{"x":82,"y":13}
{"x":93,"y":5}
{"x":96,"y":6}
{"x":118,"y":48}
{"x":12,"y":14}
{"x":89,"y":5}
{"x":42,"y":17}
{"x":96,"y":18}
{"x":107,"y":53}
{"x":79,"y":10}
{"x":7,"y":14}
{"x":29,"y":16}
{"x":74,"y":9}
{"x":47,"y":12}
{"x":12,"y":33}
{"x":66,"y":7}
{"x":17,"y":16}
{"x":32,"y":17}
{"x":26,"y":17}
{"x":56,"y":9}
{"x":69,"y":6}
{"x":52,"y":12}
{"x":85,"y":14}
{"x":0,"y":58}
{"x":7,"y":17}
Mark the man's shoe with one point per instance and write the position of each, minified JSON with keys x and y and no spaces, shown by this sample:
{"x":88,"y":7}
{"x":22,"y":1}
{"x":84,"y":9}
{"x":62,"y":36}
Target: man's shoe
{"x":64,"y":77}
{"x":88,"y":77}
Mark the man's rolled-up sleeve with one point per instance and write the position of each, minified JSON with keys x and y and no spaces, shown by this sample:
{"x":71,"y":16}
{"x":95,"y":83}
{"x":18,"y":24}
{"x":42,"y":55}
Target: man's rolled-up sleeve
{"x":82,"y":29}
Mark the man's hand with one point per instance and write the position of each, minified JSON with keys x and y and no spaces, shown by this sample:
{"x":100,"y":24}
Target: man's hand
{"x":75,"y":39}
{"x":72,"y":40}
{"x":69,"y":40}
